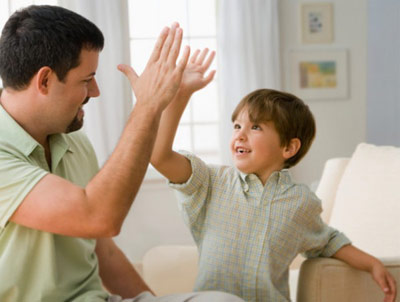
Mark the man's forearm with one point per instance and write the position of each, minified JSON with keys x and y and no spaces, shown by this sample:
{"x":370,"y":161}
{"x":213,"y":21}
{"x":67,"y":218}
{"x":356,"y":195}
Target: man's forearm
{"x":111,"y":192}
{"x":117,"y":273}
{"x":113,"y":189}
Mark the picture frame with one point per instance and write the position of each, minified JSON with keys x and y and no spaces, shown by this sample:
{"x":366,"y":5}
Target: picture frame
{"x":317,"y":23}
{"x":319,"y":74}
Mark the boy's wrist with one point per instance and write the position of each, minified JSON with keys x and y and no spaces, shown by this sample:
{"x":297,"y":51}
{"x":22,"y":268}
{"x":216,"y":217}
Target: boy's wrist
{"x":375,"y":263}
{"x":184,"y":93}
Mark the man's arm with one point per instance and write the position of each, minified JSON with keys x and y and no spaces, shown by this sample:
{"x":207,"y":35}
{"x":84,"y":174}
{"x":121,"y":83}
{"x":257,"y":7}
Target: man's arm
{"x":363,"y":261}
{"x":58,"y":206}
{"x":116,"y":271}
{"x":171,"y":164}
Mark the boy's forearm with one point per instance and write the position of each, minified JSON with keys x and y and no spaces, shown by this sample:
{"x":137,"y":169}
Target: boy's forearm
{"x":171,"y":164}
{"x":356,"y":258}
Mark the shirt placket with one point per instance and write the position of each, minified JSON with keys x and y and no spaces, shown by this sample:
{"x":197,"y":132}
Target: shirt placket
{"x":261,"y":275}
{"x":260,"y":198}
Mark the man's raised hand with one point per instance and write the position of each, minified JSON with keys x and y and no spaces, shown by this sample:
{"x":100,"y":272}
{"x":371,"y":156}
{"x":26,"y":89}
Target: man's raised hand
{"x":162,"y":76}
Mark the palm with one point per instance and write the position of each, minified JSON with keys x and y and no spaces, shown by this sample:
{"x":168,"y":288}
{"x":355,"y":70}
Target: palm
{"x":193,"y":77}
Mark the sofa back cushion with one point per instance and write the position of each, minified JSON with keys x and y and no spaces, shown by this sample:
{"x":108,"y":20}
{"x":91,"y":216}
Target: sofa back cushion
{"x":367,"y":204}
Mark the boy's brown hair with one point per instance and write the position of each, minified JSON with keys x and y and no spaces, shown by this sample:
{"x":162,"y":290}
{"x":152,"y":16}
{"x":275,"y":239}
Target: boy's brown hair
{"x":291,"y":117}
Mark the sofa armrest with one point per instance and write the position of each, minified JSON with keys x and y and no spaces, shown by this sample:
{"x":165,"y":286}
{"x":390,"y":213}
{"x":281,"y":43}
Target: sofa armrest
{"x":331,"y":280}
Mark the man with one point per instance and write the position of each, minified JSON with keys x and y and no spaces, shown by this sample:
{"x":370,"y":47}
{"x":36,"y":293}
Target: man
{"x":54,"y":202}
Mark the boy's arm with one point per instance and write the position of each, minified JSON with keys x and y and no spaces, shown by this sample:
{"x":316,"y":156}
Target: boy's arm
{"x":173,"y":165}
{"x":363,"y":261}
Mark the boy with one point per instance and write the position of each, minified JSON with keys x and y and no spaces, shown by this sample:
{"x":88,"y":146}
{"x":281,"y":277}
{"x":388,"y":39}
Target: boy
{"x":250,"y":221}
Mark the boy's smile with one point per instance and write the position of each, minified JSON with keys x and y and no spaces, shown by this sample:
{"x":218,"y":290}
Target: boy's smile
{"x":256,"y":147}
{"x":241,"y":151}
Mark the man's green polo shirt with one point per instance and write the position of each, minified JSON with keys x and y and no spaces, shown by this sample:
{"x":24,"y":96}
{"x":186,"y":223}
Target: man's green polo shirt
{"x":34,"y":265}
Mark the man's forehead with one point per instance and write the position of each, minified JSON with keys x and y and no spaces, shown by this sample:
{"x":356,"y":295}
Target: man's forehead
{"x":88,"y":61}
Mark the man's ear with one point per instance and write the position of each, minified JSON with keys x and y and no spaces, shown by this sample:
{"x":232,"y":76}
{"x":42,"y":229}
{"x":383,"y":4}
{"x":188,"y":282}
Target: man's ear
{"x":292,"y":148}
{"x":43,"y":79}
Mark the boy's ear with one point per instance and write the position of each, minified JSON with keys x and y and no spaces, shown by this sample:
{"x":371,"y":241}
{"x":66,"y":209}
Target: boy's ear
{"x":292,"y":148}
{"x":43,"y":79}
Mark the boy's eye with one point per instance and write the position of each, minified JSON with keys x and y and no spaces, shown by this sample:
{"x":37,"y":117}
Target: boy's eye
{"x":236,"y":126}
{"x":256,"y":127}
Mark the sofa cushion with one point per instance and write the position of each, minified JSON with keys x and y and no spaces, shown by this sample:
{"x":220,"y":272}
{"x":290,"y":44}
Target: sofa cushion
{"x":170,"y":269}
{"x":367,"y":204}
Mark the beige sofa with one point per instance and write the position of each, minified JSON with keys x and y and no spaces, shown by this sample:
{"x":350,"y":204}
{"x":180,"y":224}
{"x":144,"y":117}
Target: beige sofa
{"x":361,"y":197}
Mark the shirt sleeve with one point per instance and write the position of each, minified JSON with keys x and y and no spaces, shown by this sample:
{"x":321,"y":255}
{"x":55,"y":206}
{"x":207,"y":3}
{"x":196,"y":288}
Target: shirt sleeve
{"x":192,"y":195}
{"x":319,"y":239}
{"x":17,"y":178}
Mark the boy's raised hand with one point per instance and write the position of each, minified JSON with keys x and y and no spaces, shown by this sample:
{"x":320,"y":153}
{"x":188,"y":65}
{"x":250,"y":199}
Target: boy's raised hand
{"x":385,"y":281}
{"x":193,"y":78}
{"x":161,"y":78}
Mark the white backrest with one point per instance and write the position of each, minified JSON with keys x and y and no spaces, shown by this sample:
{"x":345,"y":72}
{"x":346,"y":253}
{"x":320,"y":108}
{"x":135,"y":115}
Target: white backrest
{"x":367,"y":203}
{"x":328,"y":184}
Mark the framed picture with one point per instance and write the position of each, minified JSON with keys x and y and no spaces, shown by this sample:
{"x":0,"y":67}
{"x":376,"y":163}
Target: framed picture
{"x":317,"y":22}
{"x":319,"y":74}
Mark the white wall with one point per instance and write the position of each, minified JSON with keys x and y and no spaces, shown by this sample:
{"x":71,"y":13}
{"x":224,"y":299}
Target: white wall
{"x":341,"y":125}
{"x":383,"y":92}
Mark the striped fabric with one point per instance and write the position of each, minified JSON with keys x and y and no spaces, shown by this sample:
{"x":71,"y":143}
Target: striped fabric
{"x":248,"y":234}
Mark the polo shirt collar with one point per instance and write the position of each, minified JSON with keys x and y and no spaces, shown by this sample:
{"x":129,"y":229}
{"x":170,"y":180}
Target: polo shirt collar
{"x":12,"y":133}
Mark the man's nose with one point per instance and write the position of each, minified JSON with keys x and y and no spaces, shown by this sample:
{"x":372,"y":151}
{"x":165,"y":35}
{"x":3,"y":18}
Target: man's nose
{"x":93,"y":88}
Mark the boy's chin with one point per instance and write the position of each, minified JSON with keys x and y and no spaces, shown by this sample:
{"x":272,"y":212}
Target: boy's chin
{"x":243,"y":169}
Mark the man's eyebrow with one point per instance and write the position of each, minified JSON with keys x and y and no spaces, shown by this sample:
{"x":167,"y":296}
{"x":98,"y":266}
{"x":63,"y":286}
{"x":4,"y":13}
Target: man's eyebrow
{"x":91,"y":74}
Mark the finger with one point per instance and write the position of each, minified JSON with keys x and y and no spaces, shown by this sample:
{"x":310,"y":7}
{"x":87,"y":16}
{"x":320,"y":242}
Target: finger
{"x":209,"y":60}
{"x":383,"y":284}
{"x":159,"y":44}
{"x":210,"y":77}
{"x":202,"y":56}
{"x":168,"y":42}
{"x":194,"y":56}
{"x":129,"y":72}
{"x":185,"y":58}
{"x":176,"y":47}
{"x":392,"y":286}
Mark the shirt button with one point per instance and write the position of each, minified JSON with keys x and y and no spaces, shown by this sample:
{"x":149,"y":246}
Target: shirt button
{"x":246,"y":188}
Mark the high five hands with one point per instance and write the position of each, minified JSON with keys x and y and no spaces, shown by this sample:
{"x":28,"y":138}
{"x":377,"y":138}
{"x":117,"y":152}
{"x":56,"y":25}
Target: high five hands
{"x":162,"y":76}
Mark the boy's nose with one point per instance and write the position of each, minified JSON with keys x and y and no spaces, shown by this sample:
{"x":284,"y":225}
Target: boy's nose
{"x":241,"y":135}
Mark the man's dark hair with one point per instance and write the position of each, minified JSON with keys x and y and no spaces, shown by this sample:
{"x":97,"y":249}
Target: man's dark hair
{"x":44,"y":35}
{"x":291,"y":117}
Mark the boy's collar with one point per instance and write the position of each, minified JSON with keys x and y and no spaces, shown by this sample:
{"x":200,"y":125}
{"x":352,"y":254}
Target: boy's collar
{"x":279,"y":175}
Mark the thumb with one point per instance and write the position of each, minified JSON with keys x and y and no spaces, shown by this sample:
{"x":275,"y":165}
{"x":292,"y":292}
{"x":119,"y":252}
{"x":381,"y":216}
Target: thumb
{"x":129,"y":72}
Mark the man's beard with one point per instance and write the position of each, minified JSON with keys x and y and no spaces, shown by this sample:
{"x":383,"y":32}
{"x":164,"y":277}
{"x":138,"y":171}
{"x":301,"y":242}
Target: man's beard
{"x":76,"y":123}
